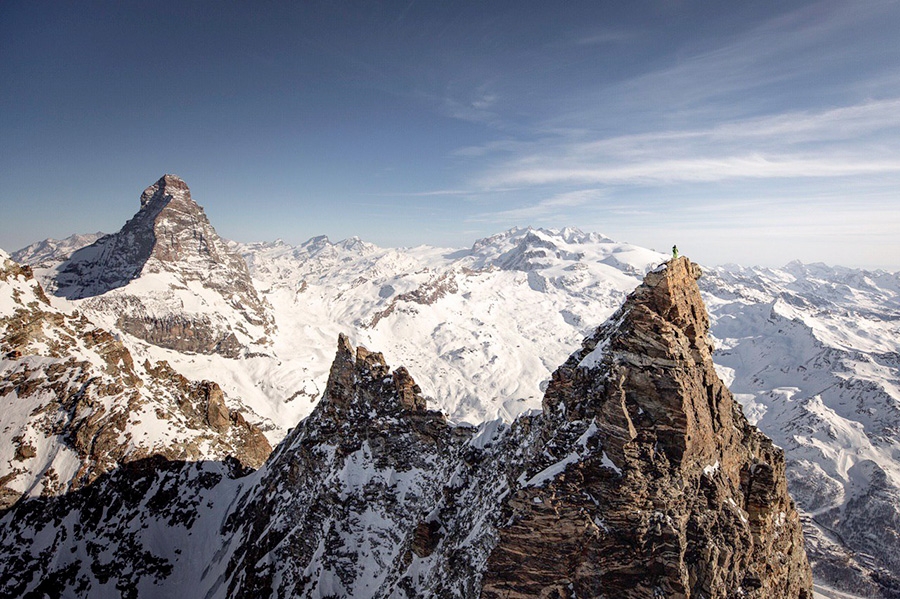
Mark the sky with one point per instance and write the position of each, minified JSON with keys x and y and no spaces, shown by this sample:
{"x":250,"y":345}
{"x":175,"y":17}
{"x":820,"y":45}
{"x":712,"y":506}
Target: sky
{"x":746,"y":132}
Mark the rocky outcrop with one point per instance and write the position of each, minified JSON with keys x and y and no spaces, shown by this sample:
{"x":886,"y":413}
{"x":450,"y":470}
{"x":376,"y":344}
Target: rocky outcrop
{"x":347,"y":486}
{"x":128,"y":534}
{"x":661,"y":487}
{"x":642,"y":478}
{"x":804,"y":343}
{"x":202,"y":405}
{"x":198,"y":296}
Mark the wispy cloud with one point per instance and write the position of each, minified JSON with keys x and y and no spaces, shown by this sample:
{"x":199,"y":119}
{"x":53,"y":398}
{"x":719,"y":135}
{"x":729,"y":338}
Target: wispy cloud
{"x":548,"y":207}
{"x":855,"y":140}
{"x":773,"y":102}
{"x":777,"y":131}
{"x":424,"y":194}
{"x":802,"y":57}
{"x":699,"y":169}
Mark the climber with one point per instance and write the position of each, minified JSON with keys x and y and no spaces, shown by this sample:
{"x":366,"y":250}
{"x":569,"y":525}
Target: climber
{"x":674,"y":252}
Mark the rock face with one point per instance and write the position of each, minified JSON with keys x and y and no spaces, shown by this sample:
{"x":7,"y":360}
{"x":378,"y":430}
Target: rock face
{"x":662,"y":488}
{"x":129,"y":534}
{"x":815,"y":353}
{"x":346,"y":487}
{"x":641,"y":478}
{"x":169,"y":279}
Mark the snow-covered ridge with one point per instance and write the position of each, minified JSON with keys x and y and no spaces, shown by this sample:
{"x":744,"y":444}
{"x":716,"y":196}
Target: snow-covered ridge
{"x":497,"y":316}
{"x":51,"y":252}
{"x":811,"y":351}
{"x":74,"y":404}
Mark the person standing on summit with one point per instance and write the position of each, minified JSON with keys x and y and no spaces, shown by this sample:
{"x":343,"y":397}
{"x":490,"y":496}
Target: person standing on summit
{"x":674,"y":252}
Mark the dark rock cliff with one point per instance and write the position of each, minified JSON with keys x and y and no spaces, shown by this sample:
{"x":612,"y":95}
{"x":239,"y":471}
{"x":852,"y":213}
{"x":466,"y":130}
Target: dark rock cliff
{"x":666,"y":490}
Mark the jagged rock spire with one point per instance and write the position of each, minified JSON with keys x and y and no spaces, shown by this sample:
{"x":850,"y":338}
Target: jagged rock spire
{"x":665,"y":490}
{"x":361,"y":383}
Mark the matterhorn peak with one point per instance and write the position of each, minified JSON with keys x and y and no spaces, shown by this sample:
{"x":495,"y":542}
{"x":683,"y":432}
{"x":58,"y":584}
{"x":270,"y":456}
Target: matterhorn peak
{"x":169,"y":228}
{"x":170,"y":244}
{"x":165,"y":189}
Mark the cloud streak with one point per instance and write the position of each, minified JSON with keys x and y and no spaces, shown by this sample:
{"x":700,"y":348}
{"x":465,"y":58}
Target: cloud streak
{"x":855,"y":140}
{"x":698,"y":170}
{"x":548,"y":207}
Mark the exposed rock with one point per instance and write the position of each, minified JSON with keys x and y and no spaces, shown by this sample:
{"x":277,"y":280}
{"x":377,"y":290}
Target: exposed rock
{"x":361,"y":467}
{"x":94,"y":540}
{"x":89,"y":406}
{"x":662,"y":488}
{"x":426,"y":294}
{"x":426,"y":537}
{"x":186,"y":334}
{"x":217,"y":415}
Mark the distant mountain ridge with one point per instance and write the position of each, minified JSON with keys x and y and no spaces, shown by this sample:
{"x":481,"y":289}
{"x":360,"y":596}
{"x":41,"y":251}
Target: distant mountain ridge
{"x":53,"y":251}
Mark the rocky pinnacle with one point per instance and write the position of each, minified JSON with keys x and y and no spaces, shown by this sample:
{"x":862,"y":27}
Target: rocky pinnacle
{"x":667,"y":491}
{"x":639,"y":479}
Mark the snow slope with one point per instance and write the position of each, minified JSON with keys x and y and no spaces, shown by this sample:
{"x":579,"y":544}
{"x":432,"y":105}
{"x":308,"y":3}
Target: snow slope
{"x":74,"y":404}
{"x":53,"y":251}
{"x":813,"y":353}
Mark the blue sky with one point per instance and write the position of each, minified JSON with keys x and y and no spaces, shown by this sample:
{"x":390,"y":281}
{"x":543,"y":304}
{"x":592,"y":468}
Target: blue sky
{"x":749,"y":132}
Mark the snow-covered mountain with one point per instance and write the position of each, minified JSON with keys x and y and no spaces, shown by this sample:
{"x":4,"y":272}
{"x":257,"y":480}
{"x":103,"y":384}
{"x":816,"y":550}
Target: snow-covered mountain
{"x":813,"y":353}
{"x":51,"y":252}
{"x":74,"y":404}
{"x":810,"y":351}
{"x":483,"y":327}
{"x":640,"y":477}
{"x":166,"y":277}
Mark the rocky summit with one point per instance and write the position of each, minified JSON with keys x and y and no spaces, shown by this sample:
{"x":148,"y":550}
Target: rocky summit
{"x":660,"y":487}
{"x":166,"y":277}
{"x":639,"y":478}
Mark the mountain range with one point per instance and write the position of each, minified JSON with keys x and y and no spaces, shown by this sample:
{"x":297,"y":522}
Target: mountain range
{"x":165,"y":359}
